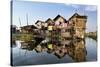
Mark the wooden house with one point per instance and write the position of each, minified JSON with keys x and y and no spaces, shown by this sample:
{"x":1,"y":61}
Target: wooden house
{"x":59,"y":21}
{"x":62,"y":27}
{"x":28,"y":29}
{"x":74,"y":27}
{"x":78,"y":24}
{"x":49,"y":23}
{"x":39,"y":24}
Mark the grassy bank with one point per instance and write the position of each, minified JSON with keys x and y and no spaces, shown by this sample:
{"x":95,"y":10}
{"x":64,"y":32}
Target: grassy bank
{"x":22,"y":36}
{"x":92,"y":35}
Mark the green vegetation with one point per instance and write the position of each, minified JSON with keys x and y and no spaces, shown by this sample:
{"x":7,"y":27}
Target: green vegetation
{"x":92,"y":35}
{"x":23,"y":37}
{"x":26,"y":37}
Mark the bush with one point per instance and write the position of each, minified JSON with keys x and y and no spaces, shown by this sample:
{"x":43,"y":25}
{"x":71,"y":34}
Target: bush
{"x":26,"y":37}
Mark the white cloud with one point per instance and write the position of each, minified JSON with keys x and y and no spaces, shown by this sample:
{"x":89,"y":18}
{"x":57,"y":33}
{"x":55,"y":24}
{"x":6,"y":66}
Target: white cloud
{"x":87,"y":8}
{"x":73,"y":5}
{"x":91,"y":8}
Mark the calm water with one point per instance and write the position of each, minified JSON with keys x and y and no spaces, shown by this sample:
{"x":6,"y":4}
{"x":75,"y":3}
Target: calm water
{"x":54,"y":52}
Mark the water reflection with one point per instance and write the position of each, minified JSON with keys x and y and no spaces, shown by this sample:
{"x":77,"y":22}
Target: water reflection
{"x":52,"y":51}
{"x":74,"y":48}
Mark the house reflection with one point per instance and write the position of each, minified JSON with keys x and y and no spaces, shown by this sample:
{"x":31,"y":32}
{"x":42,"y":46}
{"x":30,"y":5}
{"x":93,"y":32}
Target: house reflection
{"x":74,"y":48}
{"x":28,"y":45}
{"x":78,"y":51}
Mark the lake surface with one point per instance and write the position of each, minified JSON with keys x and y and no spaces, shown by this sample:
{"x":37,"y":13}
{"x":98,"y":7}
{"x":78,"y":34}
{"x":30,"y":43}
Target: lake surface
{"x":67,"y":51}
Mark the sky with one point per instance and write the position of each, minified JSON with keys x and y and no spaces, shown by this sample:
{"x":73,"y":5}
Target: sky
{"x":44,"y":10}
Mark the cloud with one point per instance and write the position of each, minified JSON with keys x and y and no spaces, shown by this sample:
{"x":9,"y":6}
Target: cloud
{"x":90,"y":8}
{"x":74,"y":6}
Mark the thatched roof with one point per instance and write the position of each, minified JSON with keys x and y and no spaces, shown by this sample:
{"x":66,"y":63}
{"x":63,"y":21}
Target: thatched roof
{"x":29,"y":27}
{"x":78,"y":16}
{"x":39,"y":21}
{"x":49,"y":19}
{"x":59,"y":16}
